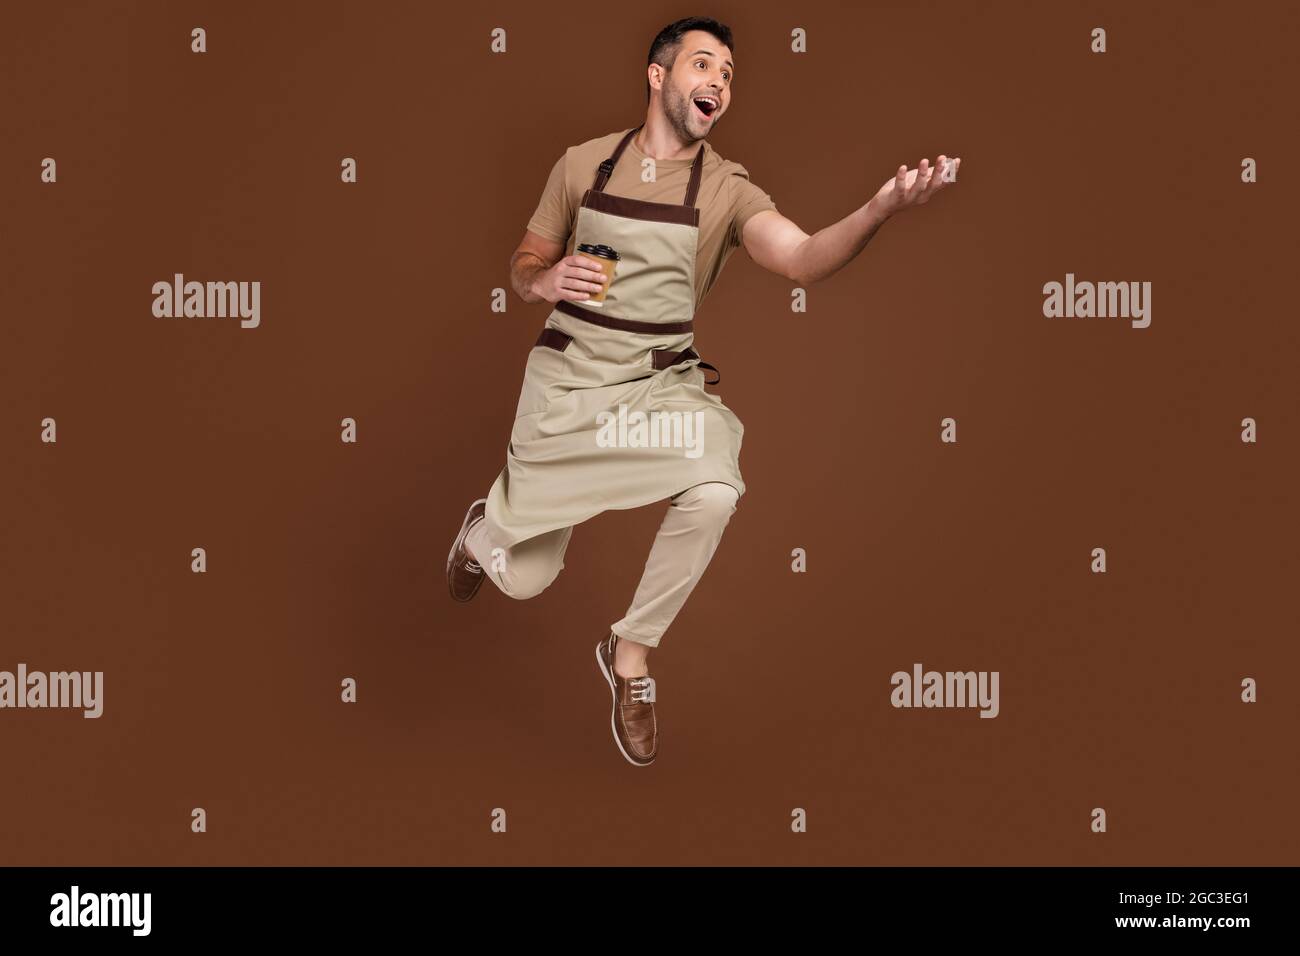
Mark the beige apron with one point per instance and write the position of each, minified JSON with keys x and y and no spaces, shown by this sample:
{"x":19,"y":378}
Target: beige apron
{"x":567,"y":461}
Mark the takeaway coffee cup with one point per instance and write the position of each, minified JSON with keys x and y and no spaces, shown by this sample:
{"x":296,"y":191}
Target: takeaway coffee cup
{"x":608,"y":260}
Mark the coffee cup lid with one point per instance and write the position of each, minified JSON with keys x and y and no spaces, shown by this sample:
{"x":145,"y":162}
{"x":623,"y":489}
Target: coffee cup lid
{"x":602,"y":250}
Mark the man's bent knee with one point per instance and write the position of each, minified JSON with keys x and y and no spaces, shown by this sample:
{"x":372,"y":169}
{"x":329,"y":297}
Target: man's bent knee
{"x":525,"y":583}
{"x":714,"y":502}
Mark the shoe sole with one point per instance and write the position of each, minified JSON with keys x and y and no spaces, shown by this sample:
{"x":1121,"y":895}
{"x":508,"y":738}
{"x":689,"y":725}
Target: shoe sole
{"x":460,"y":539}
{"x":613,"y":693}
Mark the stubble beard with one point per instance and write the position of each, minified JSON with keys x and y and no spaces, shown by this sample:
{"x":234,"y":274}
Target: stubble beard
{"x":677,"y":110}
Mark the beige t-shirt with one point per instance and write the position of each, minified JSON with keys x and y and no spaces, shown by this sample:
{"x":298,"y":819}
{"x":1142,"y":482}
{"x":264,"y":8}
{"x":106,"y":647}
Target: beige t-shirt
{"x":726,"y":200}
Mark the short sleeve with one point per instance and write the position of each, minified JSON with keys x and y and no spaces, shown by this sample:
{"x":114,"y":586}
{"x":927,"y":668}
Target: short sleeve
{"x":553,"y":218}
{"x":748,"y":200}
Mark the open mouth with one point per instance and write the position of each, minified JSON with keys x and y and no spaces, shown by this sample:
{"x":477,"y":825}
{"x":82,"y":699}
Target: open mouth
{"x":707,"y":105}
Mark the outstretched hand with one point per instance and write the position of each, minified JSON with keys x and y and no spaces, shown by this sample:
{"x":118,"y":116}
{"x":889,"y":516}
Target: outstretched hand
{"x":915,"y":187}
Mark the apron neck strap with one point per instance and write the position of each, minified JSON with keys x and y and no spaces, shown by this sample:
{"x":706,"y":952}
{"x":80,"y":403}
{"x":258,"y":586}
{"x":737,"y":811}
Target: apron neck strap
{"x":606,"y":168}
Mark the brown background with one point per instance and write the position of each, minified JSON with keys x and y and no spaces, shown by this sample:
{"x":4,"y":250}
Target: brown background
{"x":326,"y":560}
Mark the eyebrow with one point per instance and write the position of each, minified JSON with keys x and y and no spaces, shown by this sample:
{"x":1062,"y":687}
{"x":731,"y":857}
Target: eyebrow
{"x":711,"y":53}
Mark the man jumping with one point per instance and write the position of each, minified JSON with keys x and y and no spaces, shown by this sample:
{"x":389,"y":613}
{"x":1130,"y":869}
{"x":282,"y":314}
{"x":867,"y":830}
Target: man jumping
{"x":632,"y":230}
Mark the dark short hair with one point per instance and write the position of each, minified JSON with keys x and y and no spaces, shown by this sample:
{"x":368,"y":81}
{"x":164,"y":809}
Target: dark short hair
{"x":668,"y":43}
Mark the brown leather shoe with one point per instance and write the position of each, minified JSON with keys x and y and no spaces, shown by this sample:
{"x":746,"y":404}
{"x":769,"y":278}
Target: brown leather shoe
{"x":633,"y":719}
{"x":463,"y":573}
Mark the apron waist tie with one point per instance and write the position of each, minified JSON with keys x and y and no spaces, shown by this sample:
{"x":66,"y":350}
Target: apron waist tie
{"x":623,"y":325}
{"x":662,"y":358}
{"x":659,"y":358}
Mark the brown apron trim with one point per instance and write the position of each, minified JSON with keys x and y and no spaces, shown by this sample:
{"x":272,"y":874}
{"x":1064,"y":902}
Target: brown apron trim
{"x":697,"y":173}
{"x":640,"y":209}
{"x":663,"y":358}
{"x":553,"y":339}
{"x":623,"y":325}
{"x":606,"y":169}
{"x":660,"y":359}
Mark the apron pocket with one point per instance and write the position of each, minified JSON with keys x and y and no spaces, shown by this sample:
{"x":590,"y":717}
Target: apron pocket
{"x":553,"y":339}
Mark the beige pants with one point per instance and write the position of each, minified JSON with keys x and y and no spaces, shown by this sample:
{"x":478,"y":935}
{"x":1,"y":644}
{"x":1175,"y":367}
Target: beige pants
{"x":682,"y":548}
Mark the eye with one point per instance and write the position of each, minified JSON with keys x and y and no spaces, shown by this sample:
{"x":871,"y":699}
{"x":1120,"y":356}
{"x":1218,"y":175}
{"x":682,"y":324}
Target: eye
{"x":726,"y":73}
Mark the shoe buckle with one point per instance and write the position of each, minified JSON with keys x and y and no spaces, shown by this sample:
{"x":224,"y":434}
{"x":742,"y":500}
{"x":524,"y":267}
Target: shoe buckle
{"x":643,"y":690}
